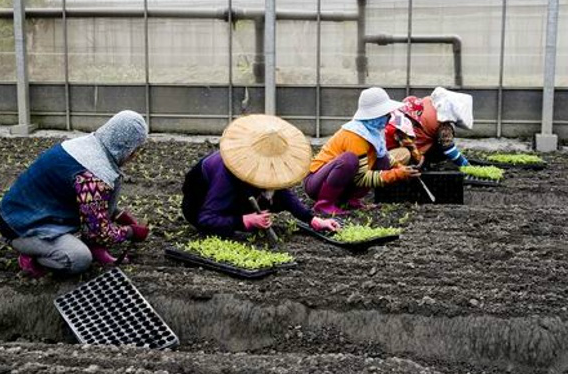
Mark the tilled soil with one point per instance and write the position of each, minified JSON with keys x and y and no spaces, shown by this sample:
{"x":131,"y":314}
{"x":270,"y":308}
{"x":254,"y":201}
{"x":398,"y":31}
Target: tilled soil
{"x":477,"y":288}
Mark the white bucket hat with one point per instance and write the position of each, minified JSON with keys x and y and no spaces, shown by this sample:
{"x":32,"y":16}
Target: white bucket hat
{"x":374,"y":102}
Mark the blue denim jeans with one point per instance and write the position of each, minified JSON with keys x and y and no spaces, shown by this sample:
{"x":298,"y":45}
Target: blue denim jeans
{"x":66,"y":253}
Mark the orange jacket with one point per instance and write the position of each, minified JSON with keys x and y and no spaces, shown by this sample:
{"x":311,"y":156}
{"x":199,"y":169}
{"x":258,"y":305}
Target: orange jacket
{"x":344,"y":141}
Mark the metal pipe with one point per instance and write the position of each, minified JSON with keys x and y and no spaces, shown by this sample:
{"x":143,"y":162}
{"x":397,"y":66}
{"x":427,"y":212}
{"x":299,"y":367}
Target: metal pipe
{"x":409,"y":48}
{"x":21,"y":67}
{"x":237,"y":14}
{"x":549,"y":68}
{"x":270,"y":57}
{"x":361,"y":59}
{"x":66,"y":67}
{"x":230,"y":22}
{"x":501,"y":71}
{"x":147,"y":67}
{"x":258,"y":64}
{"x":454,"y":40}
{"x":318,"y":71}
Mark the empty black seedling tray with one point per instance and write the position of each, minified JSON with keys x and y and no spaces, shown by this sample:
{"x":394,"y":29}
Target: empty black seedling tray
{"x":446,"y":186}
{"x":196,"y":260}
{"x":484,"y":182}
{"x":110,"y":310}
{"x":502,"y":165}
{"x":353,"y":246}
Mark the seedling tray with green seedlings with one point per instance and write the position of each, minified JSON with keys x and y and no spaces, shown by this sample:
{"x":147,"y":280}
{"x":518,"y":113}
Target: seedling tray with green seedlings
{"x":355,"y":237}
{"x":511,"y":160}
{"x":230,"y":257}
{"x":482,"y":175}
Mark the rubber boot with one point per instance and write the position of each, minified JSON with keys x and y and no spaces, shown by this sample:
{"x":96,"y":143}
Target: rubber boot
{"x":327,"y":199}
{"x":101,"y":255}
{"x":31,"y":267}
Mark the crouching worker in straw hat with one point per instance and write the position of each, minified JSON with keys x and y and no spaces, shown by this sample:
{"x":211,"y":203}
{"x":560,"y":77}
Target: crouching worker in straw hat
{"x":260,"y":156}
{"x":61,"y":213}
{"x":433,"y":119}
{"x":355,"y":158}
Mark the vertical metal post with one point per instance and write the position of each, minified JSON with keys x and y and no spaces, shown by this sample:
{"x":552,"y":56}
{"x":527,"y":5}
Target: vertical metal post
{"x":21,"y":68}
{"x":361,"y":60}
{"x":546,"y":141}
{"x":147,"y":66}
{"x":230,"y":21}
{"x":270,"y":57}
{"x":66,"y":67}
{"x":258,"y":65}
{"x":409,"y":48}
{"x":318,"y":71}
{"x":501,"y":70}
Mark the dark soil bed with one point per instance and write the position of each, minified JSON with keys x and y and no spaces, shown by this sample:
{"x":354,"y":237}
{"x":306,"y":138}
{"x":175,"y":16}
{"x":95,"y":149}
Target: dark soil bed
{"x":479,"y":287}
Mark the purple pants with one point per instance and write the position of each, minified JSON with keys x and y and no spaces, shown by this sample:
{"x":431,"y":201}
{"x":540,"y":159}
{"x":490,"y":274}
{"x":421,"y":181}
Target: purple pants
{"x":338,"y":175}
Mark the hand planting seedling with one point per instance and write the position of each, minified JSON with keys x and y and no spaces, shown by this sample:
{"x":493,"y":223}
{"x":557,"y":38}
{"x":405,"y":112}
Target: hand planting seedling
{"x":237,"y":254}
{"x":483,"y":172}
{"x":515,"y":159}
{"x":356,"y":233}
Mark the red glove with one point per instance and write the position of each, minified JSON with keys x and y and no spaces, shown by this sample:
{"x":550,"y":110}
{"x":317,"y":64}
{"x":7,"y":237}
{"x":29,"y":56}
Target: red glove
{"x":261,"y":220}
{"x":124,"y":218}
{"x":399,"y":174}
{"x":139,"y":233}
{"x":320,"y":224}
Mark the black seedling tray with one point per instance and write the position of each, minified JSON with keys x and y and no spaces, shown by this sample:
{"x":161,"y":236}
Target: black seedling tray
{"x":110,"y":310}
{"x":446,"y":186}
{"x":485,"y":182}
{"x":534,"y":166}
{"x":196,"y":260}
{"x":353,"y":246}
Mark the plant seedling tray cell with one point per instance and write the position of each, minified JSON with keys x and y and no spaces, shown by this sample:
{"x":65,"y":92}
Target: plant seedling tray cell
{"x":502,"y":165}
{"x":110,"y":310}
{"x":196,"y":260}
{"x":353,"y":246}
{"x":474,"y":181}
{"x":446,"y":186}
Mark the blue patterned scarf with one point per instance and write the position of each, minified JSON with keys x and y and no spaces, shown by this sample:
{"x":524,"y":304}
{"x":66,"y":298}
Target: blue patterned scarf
{"x":372,"y":130}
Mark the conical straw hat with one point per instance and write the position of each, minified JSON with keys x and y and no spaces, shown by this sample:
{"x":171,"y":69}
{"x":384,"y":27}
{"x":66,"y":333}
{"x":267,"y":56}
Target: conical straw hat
{"x":266,"y":151}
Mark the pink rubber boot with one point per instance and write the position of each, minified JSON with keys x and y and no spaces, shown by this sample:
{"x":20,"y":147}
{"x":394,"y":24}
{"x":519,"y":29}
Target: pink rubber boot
{"x":327,"y":199}
{"x":31,"y":267}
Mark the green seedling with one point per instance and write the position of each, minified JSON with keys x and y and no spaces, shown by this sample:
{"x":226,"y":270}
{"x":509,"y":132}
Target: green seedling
{"x":355,"y":233}
{"x":515,"y":159}
{"x":235,"y":253}
{"x":483,"y":172}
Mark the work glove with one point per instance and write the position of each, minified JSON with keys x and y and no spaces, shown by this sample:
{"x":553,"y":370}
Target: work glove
{"x":399,"y":174}
{"x":320,"y":224}
{"x":262,"y":220}
{"x":124,"y":218}
{"x":139,"y":233}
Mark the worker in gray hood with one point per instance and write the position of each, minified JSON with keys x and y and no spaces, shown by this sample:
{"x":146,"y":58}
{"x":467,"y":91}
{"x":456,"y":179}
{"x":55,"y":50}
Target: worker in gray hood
{"x":61,"y":213}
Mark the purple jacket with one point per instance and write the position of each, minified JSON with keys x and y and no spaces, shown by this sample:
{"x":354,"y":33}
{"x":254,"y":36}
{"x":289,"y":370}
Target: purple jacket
{"x":215,"y":200}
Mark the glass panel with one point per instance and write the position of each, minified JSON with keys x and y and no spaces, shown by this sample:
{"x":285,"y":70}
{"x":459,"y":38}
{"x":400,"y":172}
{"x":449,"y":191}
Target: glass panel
{"x":44,"y":42}
{"x":562,"y":43}
{"x":477,"y":24}
{"x":7,"y":55}
{"x":296,"y":43}
{"x":246,"y":69}
{"x":339,"y":45}
{"x":387,"y":63}
{"x":189,"y":50}
{"x":525,"y":42}
{"x":106,"y":50}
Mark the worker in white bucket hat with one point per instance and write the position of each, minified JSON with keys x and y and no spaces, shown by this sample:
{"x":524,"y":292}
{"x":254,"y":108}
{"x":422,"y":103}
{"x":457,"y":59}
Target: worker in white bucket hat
{"x":355,"y":159}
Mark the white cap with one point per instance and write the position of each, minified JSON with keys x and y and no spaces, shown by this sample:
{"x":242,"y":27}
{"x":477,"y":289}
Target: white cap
{"x":374,"y":102}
